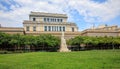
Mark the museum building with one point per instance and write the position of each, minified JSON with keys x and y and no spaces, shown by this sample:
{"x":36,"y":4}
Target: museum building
{"x":49,"y":23}
{"x":53,"y":23}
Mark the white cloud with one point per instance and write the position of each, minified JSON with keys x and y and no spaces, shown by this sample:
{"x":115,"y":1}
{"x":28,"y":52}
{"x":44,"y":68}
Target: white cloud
{"x":18,"y":14}
{"x":91,"y":11}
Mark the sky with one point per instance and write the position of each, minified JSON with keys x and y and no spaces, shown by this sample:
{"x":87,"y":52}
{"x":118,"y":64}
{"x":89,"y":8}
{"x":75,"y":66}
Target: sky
{"x":84,"y":13}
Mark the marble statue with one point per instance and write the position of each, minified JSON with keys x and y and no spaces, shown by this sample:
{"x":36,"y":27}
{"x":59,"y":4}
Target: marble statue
{"x":63,"y":46}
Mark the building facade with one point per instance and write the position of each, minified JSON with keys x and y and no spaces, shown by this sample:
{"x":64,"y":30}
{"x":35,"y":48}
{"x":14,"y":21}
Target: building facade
{"x":49,"y":23}
{"x":53,"y":23}
{"x":102,"y":31}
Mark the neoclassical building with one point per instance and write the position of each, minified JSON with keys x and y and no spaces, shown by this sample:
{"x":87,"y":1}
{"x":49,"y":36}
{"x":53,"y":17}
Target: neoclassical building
{"x":53,"y":23}
{"x":49,"y":23}
{"x":102,"y":31}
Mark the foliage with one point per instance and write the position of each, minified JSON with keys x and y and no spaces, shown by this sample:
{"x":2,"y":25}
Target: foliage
{"x":22,"y":41}
{"x":76,"y":41}
{"x":96,"y":41}
{"x":47,"y":42}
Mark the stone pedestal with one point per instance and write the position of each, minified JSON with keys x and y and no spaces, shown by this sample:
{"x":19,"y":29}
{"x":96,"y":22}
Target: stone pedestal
{"x":63,"y":46}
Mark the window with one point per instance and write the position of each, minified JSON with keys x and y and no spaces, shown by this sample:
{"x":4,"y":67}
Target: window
{"x":52,"y":20}
{"x":57,"y":28}
{"x":45,"y":28}
{"x":27,"y":28}
{"x":52,"y":28}
{"x":45,"y":20}
{"x":60,"y":28}
{"x":49,"y":28}
{"x":34,"y":19}
{"x":63,"y":29}
{"x":49,"y":19}
{"x":34,"y":28}
{"x":57,"y":20}
{"x":60,"y":20}
{"x":72,"y":29}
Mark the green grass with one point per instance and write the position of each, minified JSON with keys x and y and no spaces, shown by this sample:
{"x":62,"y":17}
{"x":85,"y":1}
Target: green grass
{"x":95,"y":59}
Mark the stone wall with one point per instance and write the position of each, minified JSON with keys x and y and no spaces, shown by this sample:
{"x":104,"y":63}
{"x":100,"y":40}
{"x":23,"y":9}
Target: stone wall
{"x":99,"y":34}
{"x":12,"y":30}
{"x":68,"y":35}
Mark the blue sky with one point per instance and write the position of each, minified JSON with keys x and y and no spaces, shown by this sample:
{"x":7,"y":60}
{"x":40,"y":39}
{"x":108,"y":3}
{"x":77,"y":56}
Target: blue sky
{"x":84,"y":13}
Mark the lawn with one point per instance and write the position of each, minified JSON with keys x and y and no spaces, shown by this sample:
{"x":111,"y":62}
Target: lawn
{"x":94,"y":59}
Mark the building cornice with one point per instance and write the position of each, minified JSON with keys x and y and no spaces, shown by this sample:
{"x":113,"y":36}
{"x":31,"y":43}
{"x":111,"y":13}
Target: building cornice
{"x":43,"y":14}
{"x":48,"y":23}
{"x":11,"y":29}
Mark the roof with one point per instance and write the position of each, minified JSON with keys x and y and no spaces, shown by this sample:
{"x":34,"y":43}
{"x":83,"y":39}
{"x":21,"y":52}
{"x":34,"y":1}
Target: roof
{"x":47,"y":14}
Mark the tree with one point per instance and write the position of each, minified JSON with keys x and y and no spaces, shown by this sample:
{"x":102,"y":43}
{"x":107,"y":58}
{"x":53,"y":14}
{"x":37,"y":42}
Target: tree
{"x":76,"y":41}
{"x":4,"y":40}
{"x":15,"y":41}
{"x":49,"y":41}
{"x":87,"y":41}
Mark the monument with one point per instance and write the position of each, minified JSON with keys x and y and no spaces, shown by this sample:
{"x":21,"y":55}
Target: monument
{"x":63,"y":46}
